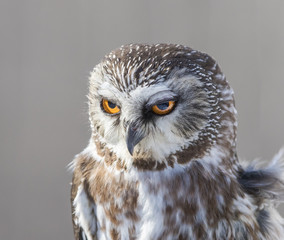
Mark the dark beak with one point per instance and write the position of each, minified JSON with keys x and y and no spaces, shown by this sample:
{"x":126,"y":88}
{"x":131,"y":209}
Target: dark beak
{"x":133,"y":137}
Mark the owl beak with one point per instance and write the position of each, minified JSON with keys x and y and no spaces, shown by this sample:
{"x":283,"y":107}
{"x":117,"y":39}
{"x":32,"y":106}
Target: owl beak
{"x":133,"y":138}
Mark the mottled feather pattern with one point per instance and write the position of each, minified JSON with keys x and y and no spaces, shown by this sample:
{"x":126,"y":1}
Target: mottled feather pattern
{"x":183,"y":179}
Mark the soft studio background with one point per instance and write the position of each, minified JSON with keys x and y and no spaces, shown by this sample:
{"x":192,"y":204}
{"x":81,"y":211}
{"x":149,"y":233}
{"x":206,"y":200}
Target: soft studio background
{"x":47,"y":49}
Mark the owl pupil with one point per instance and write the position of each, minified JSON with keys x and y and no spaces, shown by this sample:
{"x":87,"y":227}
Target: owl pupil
{"x":163,"y":106}
{"x":111,"y":105}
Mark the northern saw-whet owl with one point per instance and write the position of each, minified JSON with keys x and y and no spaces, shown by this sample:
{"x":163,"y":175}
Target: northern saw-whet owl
{"x":162,"y":162}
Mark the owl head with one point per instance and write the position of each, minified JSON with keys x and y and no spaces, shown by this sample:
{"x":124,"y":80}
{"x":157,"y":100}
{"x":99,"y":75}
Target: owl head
{"x":154,"y":106}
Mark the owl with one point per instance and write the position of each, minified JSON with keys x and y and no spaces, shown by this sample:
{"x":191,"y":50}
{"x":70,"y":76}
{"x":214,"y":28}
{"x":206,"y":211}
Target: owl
{"x":161,"y":162}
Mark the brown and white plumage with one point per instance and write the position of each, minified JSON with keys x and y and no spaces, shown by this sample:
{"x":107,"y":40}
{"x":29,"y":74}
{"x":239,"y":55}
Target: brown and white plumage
{"x":170,"y":176}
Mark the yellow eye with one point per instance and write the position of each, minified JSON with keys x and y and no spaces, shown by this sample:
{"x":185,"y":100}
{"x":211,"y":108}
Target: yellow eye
{"x":163,"y":108}
{"x":110,"y":107}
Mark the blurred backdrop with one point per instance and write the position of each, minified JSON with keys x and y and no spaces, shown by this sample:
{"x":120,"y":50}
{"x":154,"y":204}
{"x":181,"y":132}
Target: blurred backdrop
{"x":48,"y":48}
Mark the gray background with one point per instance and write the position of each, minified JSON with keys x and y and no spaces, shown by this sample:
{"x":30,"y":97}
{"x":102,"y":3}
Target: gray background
{"x":47,"y":49}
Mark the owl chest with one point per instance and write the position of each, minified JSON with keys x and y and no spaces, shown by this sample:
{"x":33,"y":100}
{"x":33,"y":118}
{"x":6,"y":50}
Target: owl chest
{"x":127,"y":218}
{"x":171,"y":210}
{"x":148,"y":212}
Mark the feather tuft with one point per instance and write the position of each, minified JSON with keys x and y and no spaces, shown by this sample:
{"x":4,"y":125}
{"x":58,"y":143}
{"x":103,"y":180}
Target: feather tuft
{"x":264,"y":182}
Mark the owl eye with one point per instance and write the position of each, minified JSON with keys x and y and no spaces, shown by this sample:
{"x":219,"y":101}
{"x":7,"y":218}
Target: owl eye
{"x":110,"y":107}
{"x":163,"y":108}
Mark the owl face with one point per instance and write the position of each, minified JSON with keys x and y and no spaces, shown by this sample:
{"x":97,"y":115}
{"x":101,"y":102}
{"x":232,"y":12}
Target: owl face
{"x":144,"y":103}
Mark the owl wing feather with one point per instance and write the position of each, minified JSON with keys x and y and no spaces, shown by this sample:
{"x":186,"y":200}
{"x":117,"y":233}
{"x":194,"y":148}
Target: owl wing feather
{"x":78,"y":232}
{"x":264,"y":182}
{"x":84,"y":226}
